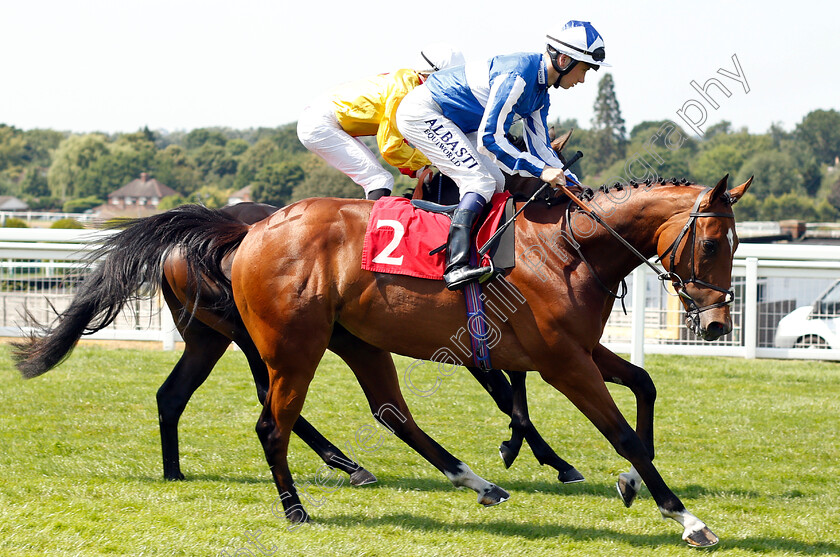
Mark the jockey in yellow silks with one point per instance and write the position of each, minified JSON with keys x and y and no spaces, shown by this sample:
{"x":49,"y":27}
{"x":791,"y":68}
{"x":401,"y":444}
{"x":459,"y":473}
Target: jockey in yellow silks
{"x":331,"y":125}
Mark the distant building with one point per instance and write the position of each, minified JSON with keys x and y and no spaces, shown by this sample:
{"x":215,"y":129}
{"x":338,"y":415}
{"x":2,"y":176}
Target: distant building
{"x":142,"y":193}
{"x":240,"y":196}
{"x":11,"y":203}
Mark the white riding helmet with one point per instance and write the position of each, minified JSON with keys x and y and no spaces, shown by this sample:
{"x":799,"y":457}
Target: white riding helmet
{"x":580,"y":41}
{"x":438,"y":56}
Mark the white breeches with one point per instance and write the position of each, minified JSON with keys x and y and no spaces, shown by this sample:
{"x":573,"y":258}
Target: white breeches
{"x":319,"y":132}
{"x":452,"y":151}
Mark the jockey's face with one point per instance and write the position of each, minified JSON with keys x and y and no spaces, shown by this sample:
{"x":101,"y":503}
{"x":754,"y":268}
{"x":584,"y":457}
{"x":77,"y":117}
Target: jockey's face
{"x":577,"y":75}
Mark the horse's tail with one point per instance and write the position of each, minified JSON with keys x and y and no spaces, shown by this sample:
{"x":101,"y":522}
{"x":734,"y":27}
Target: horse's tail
{"x":129,"y":265}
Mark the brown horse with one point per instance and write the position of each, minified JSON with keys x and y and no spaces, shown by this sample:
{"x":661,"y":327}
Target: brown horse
{"x":297,"y":275}
{"x":208,"y":323}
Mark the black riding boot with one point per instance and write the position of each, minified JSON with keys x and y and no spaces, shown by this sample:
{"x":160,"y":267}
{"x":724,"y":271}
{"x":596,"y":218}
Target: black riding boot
{"x":373,"y":195}
{"x":458,"y":270}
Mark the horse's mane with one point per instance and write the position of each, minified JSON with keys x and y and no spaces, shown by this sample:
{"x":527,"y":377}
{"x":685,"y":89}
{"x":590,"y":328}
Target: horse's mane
{"x":587,"y":193}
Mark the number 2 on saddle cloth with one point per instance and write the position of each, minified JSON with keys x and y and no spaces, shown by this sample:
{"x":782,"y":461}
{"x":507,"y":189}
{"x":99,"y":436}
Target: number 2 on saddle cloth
{"x":404,"y":239}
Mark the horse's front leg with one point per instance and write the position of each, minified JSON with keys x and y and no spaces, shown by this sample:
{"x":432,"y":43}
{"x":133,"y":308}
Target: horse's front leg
{"x":511,"y":399}
{"x":618,"y":370}
{"x":580,"y":380}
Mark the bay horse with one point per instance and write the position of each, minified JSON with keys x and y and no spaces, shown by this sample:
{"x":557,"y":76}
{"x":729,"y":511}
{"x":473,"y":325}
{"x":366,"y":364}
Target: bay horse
{"x":212,"y":236}
{"x":297,"y":275}
{"x":208,"y":322}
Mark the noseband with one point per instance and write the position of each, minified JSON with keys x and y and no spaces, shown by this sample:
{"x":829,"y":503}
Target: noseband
{"x":693,"y":309}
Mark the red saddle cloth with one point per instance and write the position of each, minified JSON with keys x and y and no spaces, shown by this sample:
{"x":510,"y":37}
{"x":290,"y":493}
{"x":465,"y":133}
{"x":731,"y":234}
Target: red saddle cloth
{"x":399,"y":237}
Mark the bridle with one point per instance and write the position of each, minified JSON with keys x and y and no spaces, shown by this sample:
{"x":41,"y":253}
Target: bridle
{"x":693,"y":309}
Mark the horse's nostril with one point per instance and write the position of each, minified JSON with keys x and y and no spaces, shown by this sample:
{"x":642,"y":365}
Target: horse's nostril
{"x":716,"y":329}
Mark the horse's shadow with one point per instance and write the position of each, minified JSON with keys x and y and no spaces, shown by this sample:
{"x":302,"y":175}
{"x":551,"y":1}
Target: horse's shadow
{"x":755,"y":544}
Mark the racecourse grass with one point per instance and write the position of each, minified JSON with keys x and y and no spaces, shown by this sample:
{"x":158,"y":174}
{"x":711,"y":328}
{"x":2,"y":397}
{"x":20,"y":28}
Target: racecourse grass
{"x":751,"y":447}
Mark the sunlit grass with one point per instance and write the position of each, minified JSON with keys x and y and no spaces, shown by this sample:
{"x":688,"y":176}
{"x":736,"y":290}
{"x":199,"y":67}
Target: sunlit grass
{"x":751,"y":447}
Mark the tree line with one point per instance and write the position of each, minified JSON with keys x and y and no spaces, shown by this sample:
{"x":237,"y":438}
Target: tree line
{"x":797,"y":172}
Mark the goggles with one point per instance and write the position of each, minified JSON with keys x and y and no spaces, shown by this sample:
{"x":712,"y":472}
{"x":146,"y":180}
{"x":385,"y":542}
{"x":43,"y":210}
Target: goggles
{"x":598,"y":54}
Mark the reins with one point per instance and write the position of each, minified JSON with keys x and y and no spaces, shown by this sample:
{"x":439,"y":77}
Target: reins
{"x":694,"y":309}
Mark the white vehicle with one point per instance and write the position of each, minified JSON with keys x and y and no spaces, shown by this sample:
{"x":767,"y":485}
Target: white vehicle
{"x":816,"y":326}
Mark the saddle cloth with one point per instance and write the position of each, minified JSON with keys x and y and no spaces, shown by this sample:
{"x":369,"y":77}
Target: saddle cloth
{"x":399,"y":237}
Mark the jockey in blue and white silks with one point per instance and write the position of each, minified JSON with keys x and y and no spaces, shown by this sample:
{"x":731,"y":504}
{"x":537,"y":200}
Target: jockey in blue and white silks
{"x":460,"y":116}
{"x":489,"y":102}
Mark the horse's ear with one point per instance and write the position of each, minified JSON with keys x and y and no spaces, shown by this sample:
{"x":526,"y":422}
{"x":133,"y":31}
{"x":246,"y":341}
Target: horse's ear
{"x":736,"y":192}
{"x":720,"y":189}
{"x":560,"y":142}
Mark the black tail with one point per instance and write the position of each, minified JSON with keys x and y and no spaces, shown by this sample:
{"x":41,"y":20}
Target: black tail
{"x":128,"y":266}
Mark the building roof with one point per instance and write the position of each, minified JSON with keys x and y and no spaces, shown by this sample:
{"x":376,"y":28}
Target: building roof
{"x":143,"y":187}
{"x":12,"y":203}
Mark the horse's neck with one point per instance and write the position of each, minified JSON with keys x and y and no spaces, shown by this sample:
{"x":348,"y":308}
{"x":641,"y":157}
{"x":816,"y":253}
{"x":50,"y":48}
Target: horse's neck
{"x":638,"y":215}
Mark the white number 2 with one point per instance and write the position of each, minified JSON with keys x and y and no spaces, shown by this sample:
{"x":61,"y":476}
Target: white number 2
{"x":384,"y":256}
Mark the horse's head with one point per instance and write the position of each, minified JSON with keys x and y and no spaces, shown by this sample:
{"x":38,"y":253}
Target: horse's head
{"x":697,"y":247}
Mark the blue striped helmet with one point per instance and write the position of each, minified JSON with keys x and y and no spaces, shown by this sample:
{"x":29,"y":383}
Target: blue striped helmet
{"x":579,"y":40}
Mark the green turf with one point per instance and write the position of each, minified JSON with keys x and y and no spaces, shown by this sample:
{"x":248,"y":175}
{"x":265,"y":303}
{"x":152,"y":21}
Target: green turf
{"x":751,"y":447}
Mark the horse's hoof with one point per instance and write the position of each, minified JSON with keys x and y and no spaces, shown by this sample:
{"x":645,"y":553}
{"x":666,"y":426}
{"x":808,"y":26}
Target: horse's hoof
{"x":701,"y":538}
{"x":362,"y":477}
{"x":174,"y":476}
{"x":627,"y":489}
{"x":493,"y":496}
{"x":570,"y":476}
{"x":297,"y":515}
{"x":507,"y":454}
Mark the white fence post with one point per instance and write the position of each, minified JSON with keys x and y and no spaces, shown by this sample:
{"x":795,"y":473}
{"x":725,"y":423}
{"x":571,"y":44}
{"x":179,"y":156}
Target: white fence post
{"x":750,"y":305}
{"x":168,"y":333}
{"x":637,"y":323}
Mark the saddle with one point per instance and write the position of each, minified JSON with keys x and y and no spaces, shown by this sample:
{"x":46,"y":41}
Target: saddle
{"x":405,"y":237}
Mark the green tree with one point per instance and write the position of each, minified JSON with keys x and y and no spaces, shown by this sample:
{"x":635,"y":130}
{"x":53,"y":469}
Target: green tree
{"x":203,"y":136}
{"x":213,"y":161}
{"x":788,"y":206}
{"x":775,"y":172}
{"x":126,"y":159}
{"x":67,"y":223}
{"x":175,"y":168}
{"x":170,"y":202}
{"x":73,"y":156}
{"x":81,"y":205}
{"x":713,"y":164}
{"x":14,"y":222}
{"x":285,"y":137}
{"x":748,"y":208}
{"x":833,"y":196}
{"x":820,"y":130}
{"x":608,"y":138}
{"x":34,"y":182}
{"x":236,"y":147}
{"x":322,"y":180}
{"x":262,"y":153}
{"x":275,"y":183}
{"x":208,"y":196}
{"x":722,"y":127}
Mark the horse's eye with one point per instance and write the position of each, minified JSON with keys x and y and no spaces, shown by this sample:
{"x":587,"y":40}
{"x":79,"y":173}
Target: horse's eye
{"x":710,"y":247}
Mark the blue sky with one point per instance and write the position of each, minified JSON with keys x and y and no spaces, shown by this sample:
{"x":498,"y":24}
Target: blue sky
{"x":177,"y":65}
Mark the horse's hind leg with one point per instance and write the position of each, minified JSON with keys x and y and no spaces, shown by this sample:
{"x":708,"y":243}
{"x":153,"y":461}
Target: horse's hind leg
{"x":284,"y":401}
{"x":204,"y":347}
{"x":618,"y":370}
{"x":328,"y":452}
{"x":375,"y":371}
{"x":511,"y":398}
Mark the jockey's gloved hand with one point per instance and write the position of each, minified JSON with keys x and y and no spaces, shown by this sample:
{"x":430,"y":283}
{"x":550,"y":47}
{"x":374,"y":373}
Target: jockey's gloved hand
{"x":408,"y":172}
